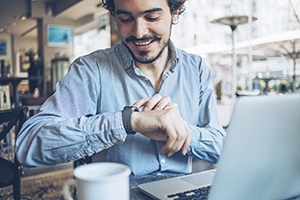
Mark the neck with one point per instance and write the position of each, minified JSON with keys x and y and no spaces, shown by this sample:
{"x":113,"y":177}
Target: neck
{"x":155,"y":70}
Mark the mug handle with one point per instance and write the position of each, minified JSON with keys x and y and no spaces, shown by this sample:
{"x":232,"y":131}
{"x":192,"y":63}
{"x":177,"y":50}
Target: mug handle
{"x":66,"y":189}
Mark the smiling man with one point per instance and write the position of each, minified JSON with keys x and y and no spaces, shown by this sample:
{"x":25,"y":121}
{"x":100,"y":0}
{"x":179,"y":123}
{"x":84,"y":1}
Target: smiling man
{"x":143,"y":102}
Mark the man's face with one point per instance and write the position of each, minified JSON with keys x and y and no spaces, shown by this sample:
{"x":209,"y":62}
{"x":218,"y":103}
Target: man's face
{"x":144,"y":27}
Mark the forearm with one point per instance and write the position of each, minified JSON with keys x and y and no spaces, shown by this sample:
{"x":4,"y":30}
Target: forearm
{"x":52,"y":140}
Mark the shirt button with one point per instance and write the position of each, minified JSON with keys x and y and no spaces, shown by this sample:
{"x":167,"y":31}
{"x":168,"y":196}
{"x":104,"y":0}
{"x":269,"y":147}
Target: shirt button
{"x":114,"y":140}
{"x":83,"y":155}
{"x":102,"y":145}
{"x":162,"y":161}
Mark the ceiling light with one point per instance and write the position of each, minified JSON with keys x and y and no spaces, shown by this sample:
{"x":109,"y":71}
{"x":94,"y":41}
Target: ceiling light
{"x":23,"y":18}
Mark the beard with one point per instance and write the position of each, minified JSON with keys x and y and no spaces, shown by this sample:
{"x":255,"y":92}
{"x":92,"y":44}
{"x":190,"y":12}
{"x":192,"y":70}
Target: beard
{"x":143,"y":56}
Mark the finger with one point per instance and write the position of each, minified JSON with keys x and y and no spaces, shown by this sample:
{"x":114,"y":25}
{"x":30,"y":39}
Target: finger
{"x":165,"y":101}
{"x":170,"y":106}
{"x":174,"y":142}
{"x":178,"y":145}
{"x":150,"y":104}
{"x":186,"y":144}
{"x":140,"y":102}
{"x":181,"y":142}
{"x":188,"y":139}
{"x":170,"y":140}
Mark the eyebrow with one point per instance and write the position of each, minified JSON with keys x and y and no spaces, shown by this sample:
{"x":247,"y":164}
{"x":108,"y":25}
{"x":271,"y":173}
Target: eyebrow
{"x":119,"y":12}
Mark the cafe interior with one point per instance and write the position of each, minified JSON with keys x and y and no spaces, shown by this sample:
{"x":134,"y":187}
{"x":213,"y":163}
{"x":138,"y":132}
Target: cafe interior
{"x":37,"y":46}
{"x":36,"y":41}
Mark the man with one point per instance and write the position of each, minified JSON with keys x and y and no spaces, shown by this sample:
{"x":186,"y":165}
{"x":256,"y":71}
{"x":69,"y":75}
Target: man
{"x":174,"y":117}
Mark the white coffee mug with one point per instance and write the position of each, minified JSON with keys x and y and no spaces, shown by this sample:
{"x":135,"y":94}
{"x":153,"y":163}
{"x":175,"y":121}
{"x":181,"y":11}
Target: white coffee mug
{"x":97,"y":181}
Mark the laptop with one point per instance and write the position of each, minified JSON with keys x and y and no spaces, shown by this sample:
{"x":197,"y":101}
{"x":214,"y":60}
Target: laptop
{"x":260,"y":159}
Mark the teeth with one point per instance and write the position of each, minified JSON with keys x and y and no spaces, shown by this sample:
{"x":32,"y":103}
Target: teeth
{"x":142,"y":43}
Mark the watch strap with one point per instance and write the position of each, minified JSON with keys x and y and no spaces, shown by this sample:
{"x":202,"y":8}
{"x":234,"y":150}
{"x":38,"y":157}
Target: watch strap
{"x":126,"y":116}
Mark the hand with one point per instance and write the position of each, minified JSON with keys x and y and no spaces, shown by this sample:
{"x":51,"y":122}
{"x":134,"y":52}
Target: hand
{"x":160,"y":120}
{"x":155,"y":103}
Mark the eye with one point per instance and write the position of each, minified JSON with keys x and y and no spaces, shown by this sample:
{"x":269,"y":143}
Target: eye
{"x":152,"y":17}
{"x":125,"y":19}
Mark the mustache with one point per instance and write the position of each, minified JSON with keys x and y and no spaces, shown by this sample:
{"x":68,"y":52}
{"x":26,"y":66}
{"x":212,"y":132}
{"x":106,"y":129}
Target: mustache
{"x":134,"y":39}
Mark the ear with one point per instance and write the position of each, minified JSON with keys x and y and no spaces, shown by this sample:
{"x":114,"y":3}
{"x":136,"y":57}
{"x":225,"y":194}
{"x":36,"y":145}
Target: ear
{"x":175,"y":17}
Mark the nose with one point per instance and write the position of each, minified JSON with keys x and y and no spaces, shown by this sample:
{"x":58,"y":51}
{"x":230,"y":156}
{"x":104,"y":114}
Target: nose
{"x":140,"y":28}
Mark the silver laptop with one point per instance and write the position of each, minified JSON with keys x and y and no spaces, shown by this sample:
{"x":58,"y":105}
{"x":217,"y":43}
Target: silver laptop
{"x":260,"y":159}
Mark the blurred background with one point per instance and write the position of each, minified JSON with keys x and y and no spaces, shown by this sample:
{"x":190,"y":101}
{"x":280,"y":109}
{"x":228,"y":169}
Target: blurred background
{"x":266,"y":40}
{"x":251,"y":46}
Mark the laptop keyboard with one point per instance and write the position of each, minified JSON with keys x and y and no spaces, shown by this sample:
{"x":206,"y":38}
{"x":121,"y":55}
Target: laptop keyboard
{"x":202,"y":194}
{"x":196,"y":194}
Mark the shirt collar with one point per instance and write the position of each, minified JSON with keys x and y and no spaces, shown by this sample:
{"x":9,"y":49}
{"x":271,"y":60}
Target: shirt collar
{"x":125,"y":55}
{"x":173,"y":56}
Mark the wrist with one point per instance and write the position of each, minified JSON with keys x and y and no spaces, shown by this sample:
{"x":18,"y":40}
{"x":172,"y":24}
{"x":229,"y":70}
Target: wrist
{"x":133,"y":121}
{"x":127,"y":118}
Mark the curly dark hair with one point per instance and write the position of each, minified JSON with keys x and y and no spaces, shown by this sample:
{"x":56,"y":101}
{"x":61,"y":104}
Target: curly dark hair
{"x":173,"y":4}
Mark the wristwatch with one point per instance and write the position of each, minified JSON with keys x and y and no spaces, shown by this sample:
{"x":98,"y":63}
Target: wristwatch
{"x":126,"y":115}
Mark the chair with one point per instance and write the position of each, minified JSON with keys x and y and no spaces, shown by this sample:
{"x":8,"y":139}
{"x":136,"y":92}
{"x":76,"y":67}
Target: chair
{"x":10,"y":169}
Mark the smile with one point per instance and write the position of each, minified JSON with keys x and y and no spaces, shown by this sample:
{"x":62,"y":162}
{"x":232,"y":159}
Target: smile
{"x":142,"y":43}
{"x":147,"y":40}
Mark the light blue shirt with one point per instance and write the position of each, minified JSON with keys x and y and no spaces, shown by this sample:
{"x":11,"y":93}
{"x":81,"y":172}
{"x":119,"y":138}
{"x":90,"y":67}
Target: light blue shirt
{"x":83,"y":117}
